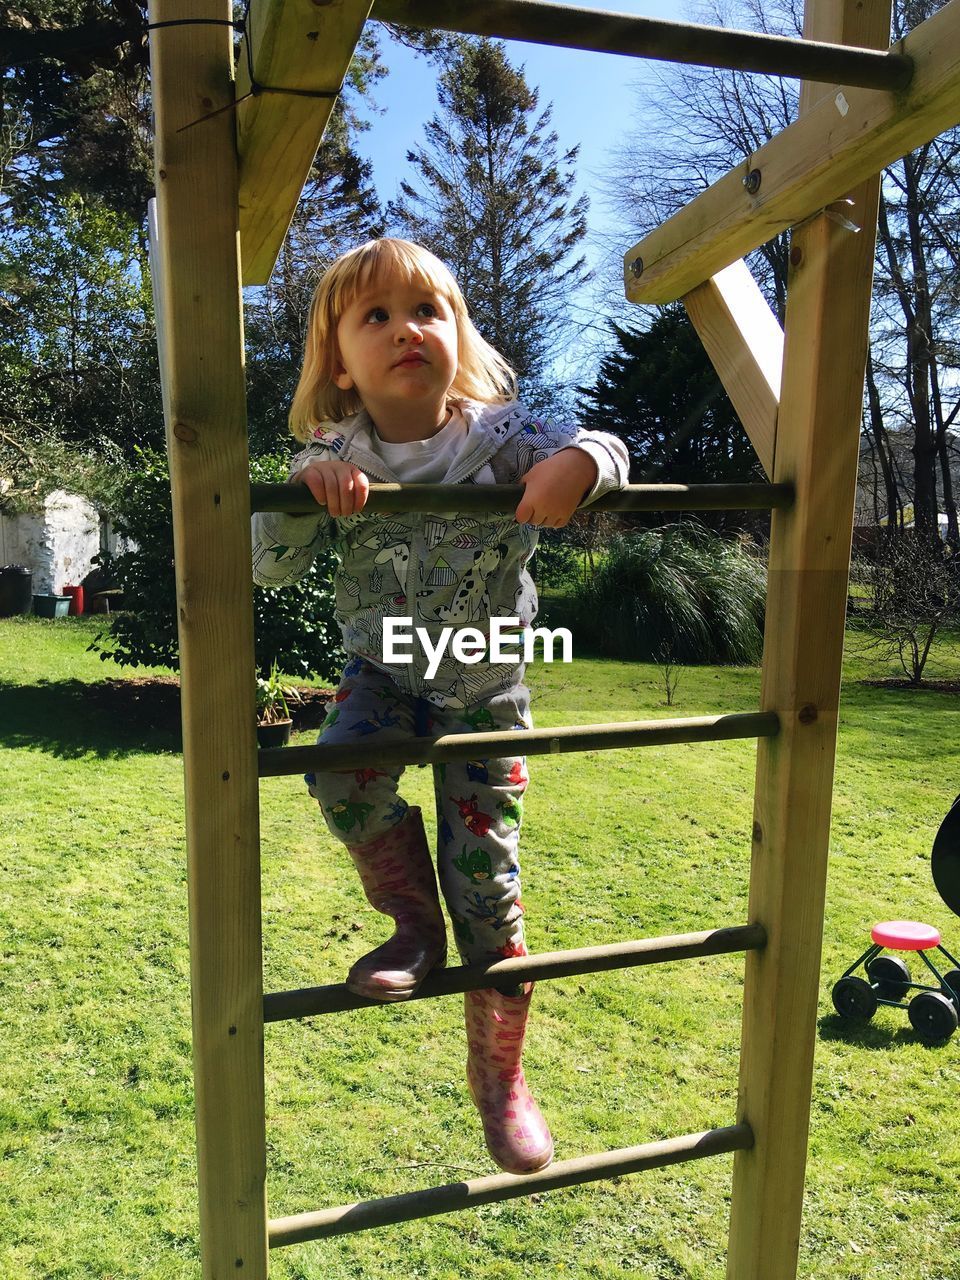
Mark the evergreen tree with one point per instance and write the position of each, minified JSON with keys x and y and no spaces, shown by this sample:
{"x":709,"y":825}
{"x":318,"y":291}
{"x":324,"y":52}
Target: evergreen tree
{"x":659,"y":393}
{"x":495,"y":202}
{"x":75,"y":110}
{"x":74,"y":106}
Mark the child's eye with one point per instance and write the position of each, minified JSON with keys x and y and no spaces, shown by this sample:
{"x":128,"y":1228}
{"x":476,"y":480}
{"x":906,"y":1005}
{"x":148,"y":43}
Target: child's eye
{"x":377,"y":316}
{"x":426,"y":309}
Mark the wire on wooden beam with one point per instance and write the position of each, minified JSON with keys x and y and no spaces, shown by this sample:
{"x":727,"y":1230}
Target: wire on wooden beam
{"x":275,"y":762}
{"x":602,"y":31}
{"x":296,"y":499}
{"x":307,"y":1002}
{"x":505,"y":1186}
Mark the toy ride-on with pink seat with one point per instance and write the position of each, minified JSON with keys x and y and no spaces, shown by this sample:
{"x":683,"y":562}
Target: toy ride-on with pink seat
{"x":934,"y":1011}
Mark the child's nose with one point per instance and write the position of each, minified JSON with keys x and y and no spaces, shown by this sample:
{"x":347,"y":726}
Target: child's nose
{"x":409,"y":331}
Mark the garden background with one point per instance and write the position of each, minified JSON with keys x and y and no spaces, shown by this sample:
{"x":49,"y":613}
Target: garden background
{"x":98,"y":1176}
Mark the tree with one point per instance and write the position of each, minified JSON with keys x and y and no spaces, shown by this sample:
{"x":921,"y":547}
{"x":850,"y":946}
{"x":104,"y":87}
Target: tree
{"x":495,"y":201}
{"x":660,"y":394}
{"x":917,"y":294}
{"x":916,"y":593}
{"x":695,"y":123}
{"x":77,"y":346}
{"x":707,"y":121}
{"x":74,"y":109}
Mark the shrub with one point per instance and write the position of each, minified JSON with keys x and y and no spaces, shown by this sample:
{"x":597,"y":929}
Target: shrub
{"x":915,"y":595}
{"x":556,"y":563}
{"x":680,"y":593}
{"x":293,"y":626}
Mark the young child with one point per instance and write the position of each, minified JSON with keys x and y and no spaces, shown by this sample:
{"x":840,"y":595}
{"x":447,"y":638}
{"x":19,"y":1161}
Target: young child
{"x":398,"y":385}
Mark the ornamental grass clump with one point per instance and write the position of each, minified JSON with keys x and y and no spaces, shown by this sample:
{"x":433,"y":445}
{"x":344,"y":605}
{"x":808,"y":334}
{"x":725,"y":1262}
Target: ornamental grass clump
{"x":680,"y":593}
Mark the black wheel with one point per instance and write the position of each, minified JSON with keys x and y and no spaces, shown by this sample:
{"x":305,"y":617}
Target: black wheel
{"x":951,"y":979}
{"x":854,"y":998}
{"x":891,"y":975}
{"x":933,"y":1017}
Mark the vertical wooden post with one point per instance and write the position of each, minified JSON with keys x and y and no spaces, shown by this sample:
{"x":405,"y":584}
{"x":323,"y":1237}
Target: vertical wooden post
{"x":828,"y":307}
{"x":196,"y":174}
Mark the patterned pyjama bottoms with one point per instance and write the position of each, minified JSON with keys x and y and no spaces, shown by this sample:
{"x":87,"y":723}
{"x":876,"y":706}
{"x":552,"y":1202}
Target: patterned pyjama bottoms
{"x":479,"y":802}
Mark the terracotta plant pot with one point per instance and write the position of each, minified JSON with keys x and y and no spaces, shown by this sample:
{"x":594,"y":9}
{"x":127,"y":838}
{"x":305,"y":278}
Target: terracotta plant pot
{"x":276,"y":734}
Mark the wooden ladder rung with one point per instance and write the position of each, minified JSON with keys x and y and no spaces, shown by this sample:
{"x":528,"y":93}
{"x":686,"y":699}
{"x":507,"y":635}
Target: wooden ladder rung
{"x":505,"y":1186}
{"x":503,"y":499}
{"x":281,"y":1005}
{"x":275,"y":762}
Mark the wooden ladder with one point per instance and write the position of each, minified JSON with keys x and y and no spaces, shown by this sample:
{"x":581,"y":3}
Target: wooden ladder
{"x":227,"y":184}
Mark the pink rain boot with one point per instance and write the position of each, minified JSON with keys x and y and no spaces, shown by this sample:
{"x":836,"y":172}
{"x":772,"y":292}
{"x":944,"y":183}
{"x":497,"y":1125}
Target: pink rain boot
{"x":398,"y":878}
{"x":516,"y":1133}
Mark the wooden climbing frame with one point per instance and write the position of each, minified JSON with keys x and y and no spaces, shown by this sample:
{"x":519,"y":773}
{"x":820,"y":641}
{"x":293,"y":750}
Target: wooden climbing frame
{"x":233,"y":148}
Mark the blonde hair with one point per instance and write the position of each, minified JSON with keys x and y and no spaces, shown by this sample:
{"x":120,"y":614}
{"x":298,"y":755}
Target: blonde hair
{"x":482,"y":373}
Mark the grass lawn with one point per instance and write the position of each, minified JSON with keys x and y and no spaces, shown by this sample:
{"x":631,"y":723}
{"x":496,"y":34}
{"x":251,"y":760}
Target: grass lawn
{"x":97,"y":1174}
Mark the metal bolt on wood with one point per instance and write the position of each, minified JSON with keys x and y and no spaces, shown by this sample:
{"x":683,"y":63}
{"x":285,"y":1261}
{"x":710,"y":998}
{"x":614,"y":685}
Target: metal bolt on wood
{"x":752,"y":182}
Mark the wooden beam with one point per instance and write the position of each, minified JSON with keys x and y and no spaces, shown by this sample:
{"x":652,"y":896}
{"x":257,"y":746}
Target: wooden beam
{"x":601,"y":31}
{"x":198,"y":284}
{"x":843,"y":139}
{"x":744,"y":341}
{"x":817,"y":447}
{"x":304,"y":46}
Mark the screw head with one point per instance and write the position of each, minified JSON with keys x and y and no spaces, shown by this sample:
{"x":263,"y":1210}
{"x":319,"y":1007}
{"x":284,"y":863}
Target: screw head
{"x":636,"y":268}
{"x":752,"y":182}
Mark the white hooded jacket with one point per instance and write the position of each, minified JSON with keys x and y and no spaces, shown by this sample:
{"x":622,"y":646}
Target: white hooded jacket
{"x":440,"y":571}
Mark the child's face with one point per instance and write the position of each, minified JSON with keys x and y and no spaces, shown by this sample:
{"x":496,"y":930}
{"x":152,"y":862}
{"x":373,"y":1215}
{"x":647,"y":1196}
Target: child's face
{"x":397,"y":347}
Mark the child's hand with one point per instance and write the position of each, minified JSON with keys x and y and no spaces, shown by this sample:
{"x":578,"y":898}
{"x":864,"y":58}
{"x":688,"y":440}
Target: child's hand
{"x":555,"y":487}
{"x":338,"y":486}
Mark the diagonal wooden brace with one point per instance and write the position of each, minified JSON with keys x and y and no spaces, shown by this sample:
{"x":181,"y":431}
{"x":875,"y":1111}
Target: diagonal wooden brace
{"x":744,"y":341}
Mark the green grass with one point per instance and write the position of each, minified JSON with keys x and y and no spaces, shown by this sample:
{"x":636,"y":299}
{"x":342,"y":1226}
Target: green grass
{"x":96,"y":1123}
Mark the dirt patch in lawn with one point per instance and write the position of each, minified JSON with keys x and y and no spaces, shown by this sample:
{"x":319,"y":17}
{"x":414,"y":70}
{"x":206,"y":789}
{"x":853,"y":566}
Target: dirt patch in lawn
{"x":153,"y":702}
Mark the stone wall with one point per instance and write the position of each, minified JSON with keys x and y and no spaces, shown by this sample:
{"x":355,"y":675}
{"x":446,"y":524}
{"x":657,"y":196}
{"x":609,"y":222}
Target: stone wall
{"x":59,"y":545}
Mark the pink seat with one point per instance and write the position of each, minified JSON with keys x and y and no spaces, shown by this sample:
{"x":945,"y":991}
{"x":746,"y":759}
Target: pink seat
{"x":905,"y":935}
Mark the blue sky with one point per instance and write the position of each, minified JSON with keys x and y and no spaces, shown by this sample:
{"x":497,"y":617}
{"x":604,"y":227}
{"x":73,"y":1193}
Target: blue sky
{"x":592,"y":95}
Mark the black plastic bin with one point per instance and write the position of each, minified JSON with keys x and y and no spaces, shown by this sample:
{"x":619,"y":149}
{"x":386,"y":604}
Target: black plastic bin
{"x":16,"y":590}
